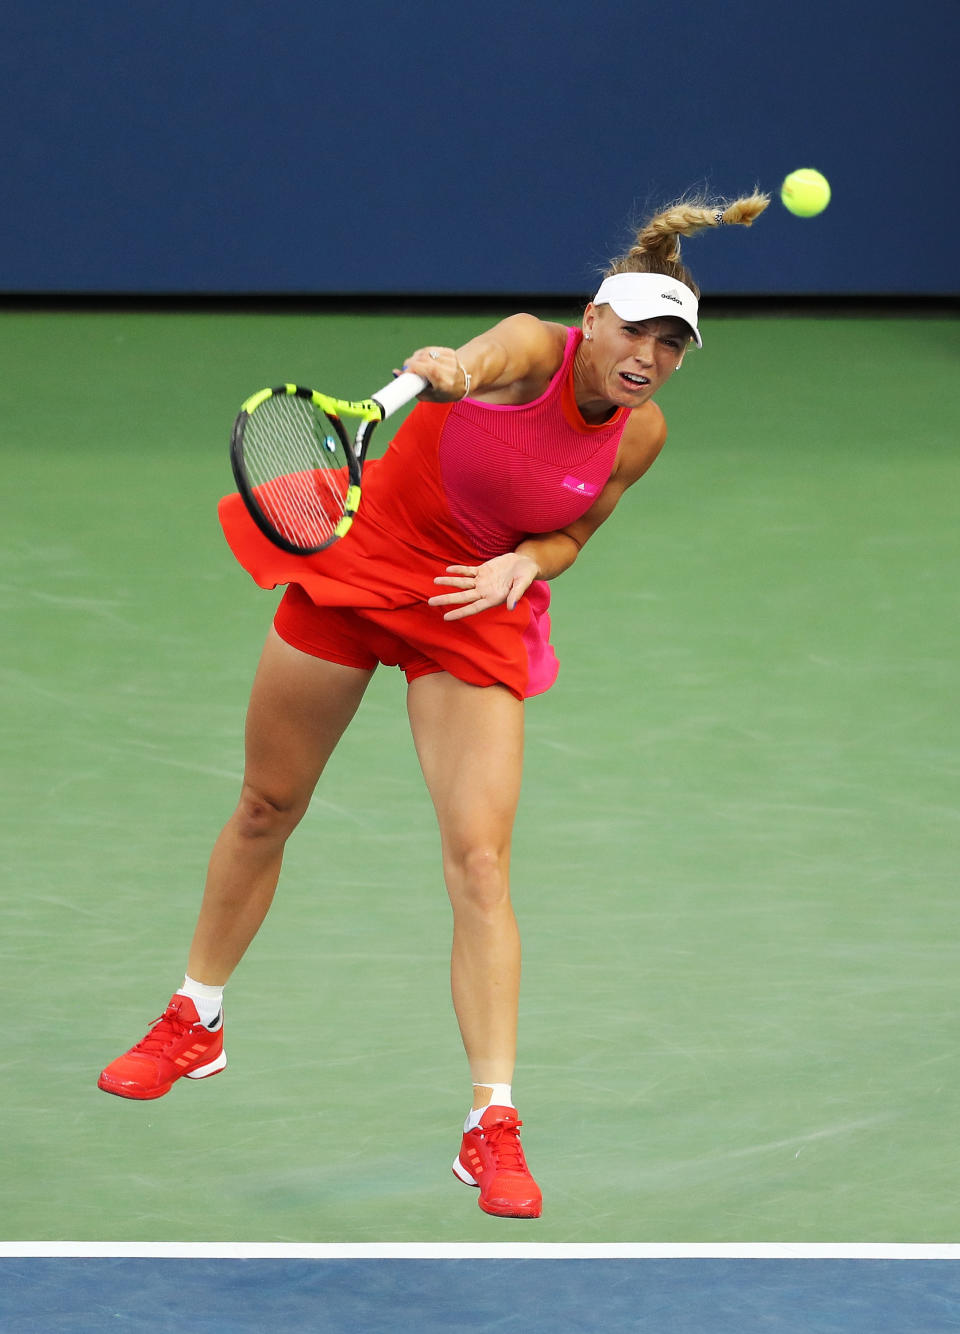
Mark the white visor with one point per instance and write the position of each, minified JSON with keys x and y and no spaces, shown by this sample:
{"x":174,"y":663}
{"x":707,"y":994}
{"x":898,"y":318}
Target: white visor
{"x":648,"y":296}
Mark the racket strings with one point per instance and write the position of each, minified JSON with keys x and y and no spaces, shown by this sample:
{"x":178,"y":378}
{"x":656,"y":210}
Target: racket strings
{"x":298,"y":469}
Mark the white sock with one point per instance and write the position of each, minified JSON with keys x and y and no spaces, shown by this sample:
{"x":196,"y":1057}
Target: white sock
{"x":501,"y":1095}
{"x":208,"y":1000}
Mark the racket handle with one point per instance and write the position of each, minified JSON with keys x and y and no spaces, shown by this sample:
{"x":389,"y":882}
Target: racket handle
{"x":398,"y":392}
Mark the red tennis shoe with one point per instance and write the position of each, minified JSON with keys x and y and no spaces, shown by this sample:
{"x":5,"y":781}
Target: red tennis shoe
{"x":491,"y":1158}
{"x":177,"y":1044}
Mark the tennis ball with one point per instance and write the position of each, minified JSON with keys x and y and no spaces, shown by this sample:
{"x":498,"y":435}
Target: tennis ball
{"x":805,"y":192}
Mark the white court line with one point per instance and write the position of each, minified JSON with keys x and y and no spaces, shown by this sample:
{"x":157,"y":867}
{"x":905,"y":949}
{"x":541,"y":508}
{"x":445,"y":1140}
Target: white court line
{"x":414,"y":1250}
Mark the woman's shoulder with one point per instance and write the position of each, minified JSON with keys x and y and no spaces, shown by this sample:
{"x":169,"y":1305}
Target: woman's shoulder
{"x":521,"y":354}
{"x":544,"y":335}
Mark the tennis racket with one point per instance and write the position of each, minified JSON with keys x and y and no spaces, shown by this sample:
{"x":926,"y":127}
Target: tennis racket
{"x":297,"y":468}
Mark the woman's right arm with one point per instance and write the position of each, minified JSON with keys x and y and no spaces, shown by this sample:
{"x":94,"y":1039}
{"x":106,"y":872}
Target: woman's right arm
{"x":511,"y":363}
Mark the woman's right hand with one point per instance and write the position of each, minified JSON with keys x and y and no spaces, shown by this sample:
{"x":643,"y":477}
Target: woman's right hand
{"x":442,"y":368}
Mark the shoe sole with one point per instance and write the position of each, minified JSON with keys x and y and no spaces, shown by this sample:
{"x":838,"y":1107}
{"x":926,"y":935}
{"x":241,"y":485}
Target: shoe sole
{"x":147,"y":1095}
{"x":461,"y":1173}
{"x":510,"y":1212}
{"x":214,"y":1068}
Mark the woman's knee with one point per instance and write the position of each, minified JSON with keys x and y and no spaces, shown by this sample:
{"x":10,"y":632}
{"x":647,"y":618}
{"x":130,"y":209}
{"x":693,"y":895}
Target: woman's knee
{"x":264,"y":812}
{"x":478,"y":877}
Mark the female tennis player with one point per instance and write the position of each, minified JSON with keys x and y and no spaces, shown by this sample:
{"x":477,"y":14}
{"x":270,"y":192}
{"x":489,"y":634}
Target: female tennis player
{"x":522,"y":445}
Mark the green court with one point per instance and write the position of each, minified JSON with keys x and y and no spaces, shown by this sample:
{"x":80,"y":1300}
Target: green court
{"x":736,"y":860}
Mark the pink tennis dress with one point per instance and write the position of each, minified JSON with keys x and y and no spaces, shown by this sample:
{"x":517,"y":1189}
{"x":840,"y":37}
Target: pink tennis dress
{"x":460,"y":483}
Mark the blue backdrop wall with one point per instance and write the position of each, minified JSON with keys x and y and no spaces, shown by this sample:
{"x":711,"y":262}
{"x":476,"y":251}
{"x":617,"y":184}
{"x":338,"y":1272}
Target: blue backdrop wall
{"x":221,"y":147}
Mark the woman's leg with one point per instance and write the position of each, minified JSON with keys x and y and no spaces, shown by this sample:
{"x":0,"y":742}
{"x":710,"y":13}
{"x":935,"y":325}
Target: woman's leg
{"x":470,"y":743}
{"x":469,"y":740}
{"x":299,"y":709}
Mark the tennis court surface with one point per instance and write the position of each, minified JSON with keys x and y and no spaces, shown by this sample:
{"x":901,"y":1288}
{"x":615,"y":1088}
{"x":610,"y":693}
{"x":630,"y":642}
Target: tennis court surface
{"x":735,"y":866}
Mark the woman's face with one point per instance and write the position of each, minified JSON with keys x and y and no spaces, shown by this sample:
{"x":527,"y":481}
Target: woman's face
{"x":627,"y":363}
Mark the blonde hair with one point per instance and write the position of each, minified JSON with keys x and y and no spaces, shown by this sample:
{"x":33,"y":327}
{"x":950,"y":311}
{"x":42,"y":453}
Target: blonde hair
{"x":656,"y":248}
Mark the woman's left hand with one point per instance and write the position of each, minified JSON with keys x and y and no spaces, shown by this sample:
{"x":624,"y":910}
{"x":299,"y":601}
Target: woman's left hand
{"x":503,"y":579}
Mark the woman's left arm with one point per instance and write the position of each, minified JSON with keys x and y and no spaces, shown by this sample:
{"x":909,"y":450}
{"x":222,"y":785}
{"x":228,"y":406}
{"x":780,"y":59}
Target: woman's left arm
{"x":505,"y":579}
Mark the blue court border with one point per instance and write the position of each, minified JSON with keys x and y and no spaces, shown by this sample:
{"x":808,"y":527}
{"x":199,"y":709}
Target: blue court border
{"x":46,"y":1288}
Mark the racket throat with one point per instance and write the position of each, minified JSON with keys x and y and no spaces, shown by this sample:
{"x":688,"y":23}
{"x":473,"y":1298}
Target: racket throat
{"x":350,"y":506}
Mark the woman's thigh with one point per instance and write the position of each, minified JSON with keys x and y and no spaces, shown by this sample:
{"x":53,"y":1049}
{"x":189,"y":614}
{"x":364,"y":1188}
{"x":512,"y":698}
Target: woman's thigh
{"x":469,"y":741}
{"x":299,"y":708}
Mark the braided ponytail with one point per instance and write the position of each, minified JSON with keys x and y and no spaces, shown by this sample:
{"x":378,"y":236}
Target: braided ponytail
{"x":656,"y":248}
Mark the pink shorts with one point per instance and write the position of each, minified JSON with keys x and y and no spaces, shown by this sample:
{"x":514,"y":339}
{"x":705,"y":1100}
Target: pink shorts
{"x":340,"y":634}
